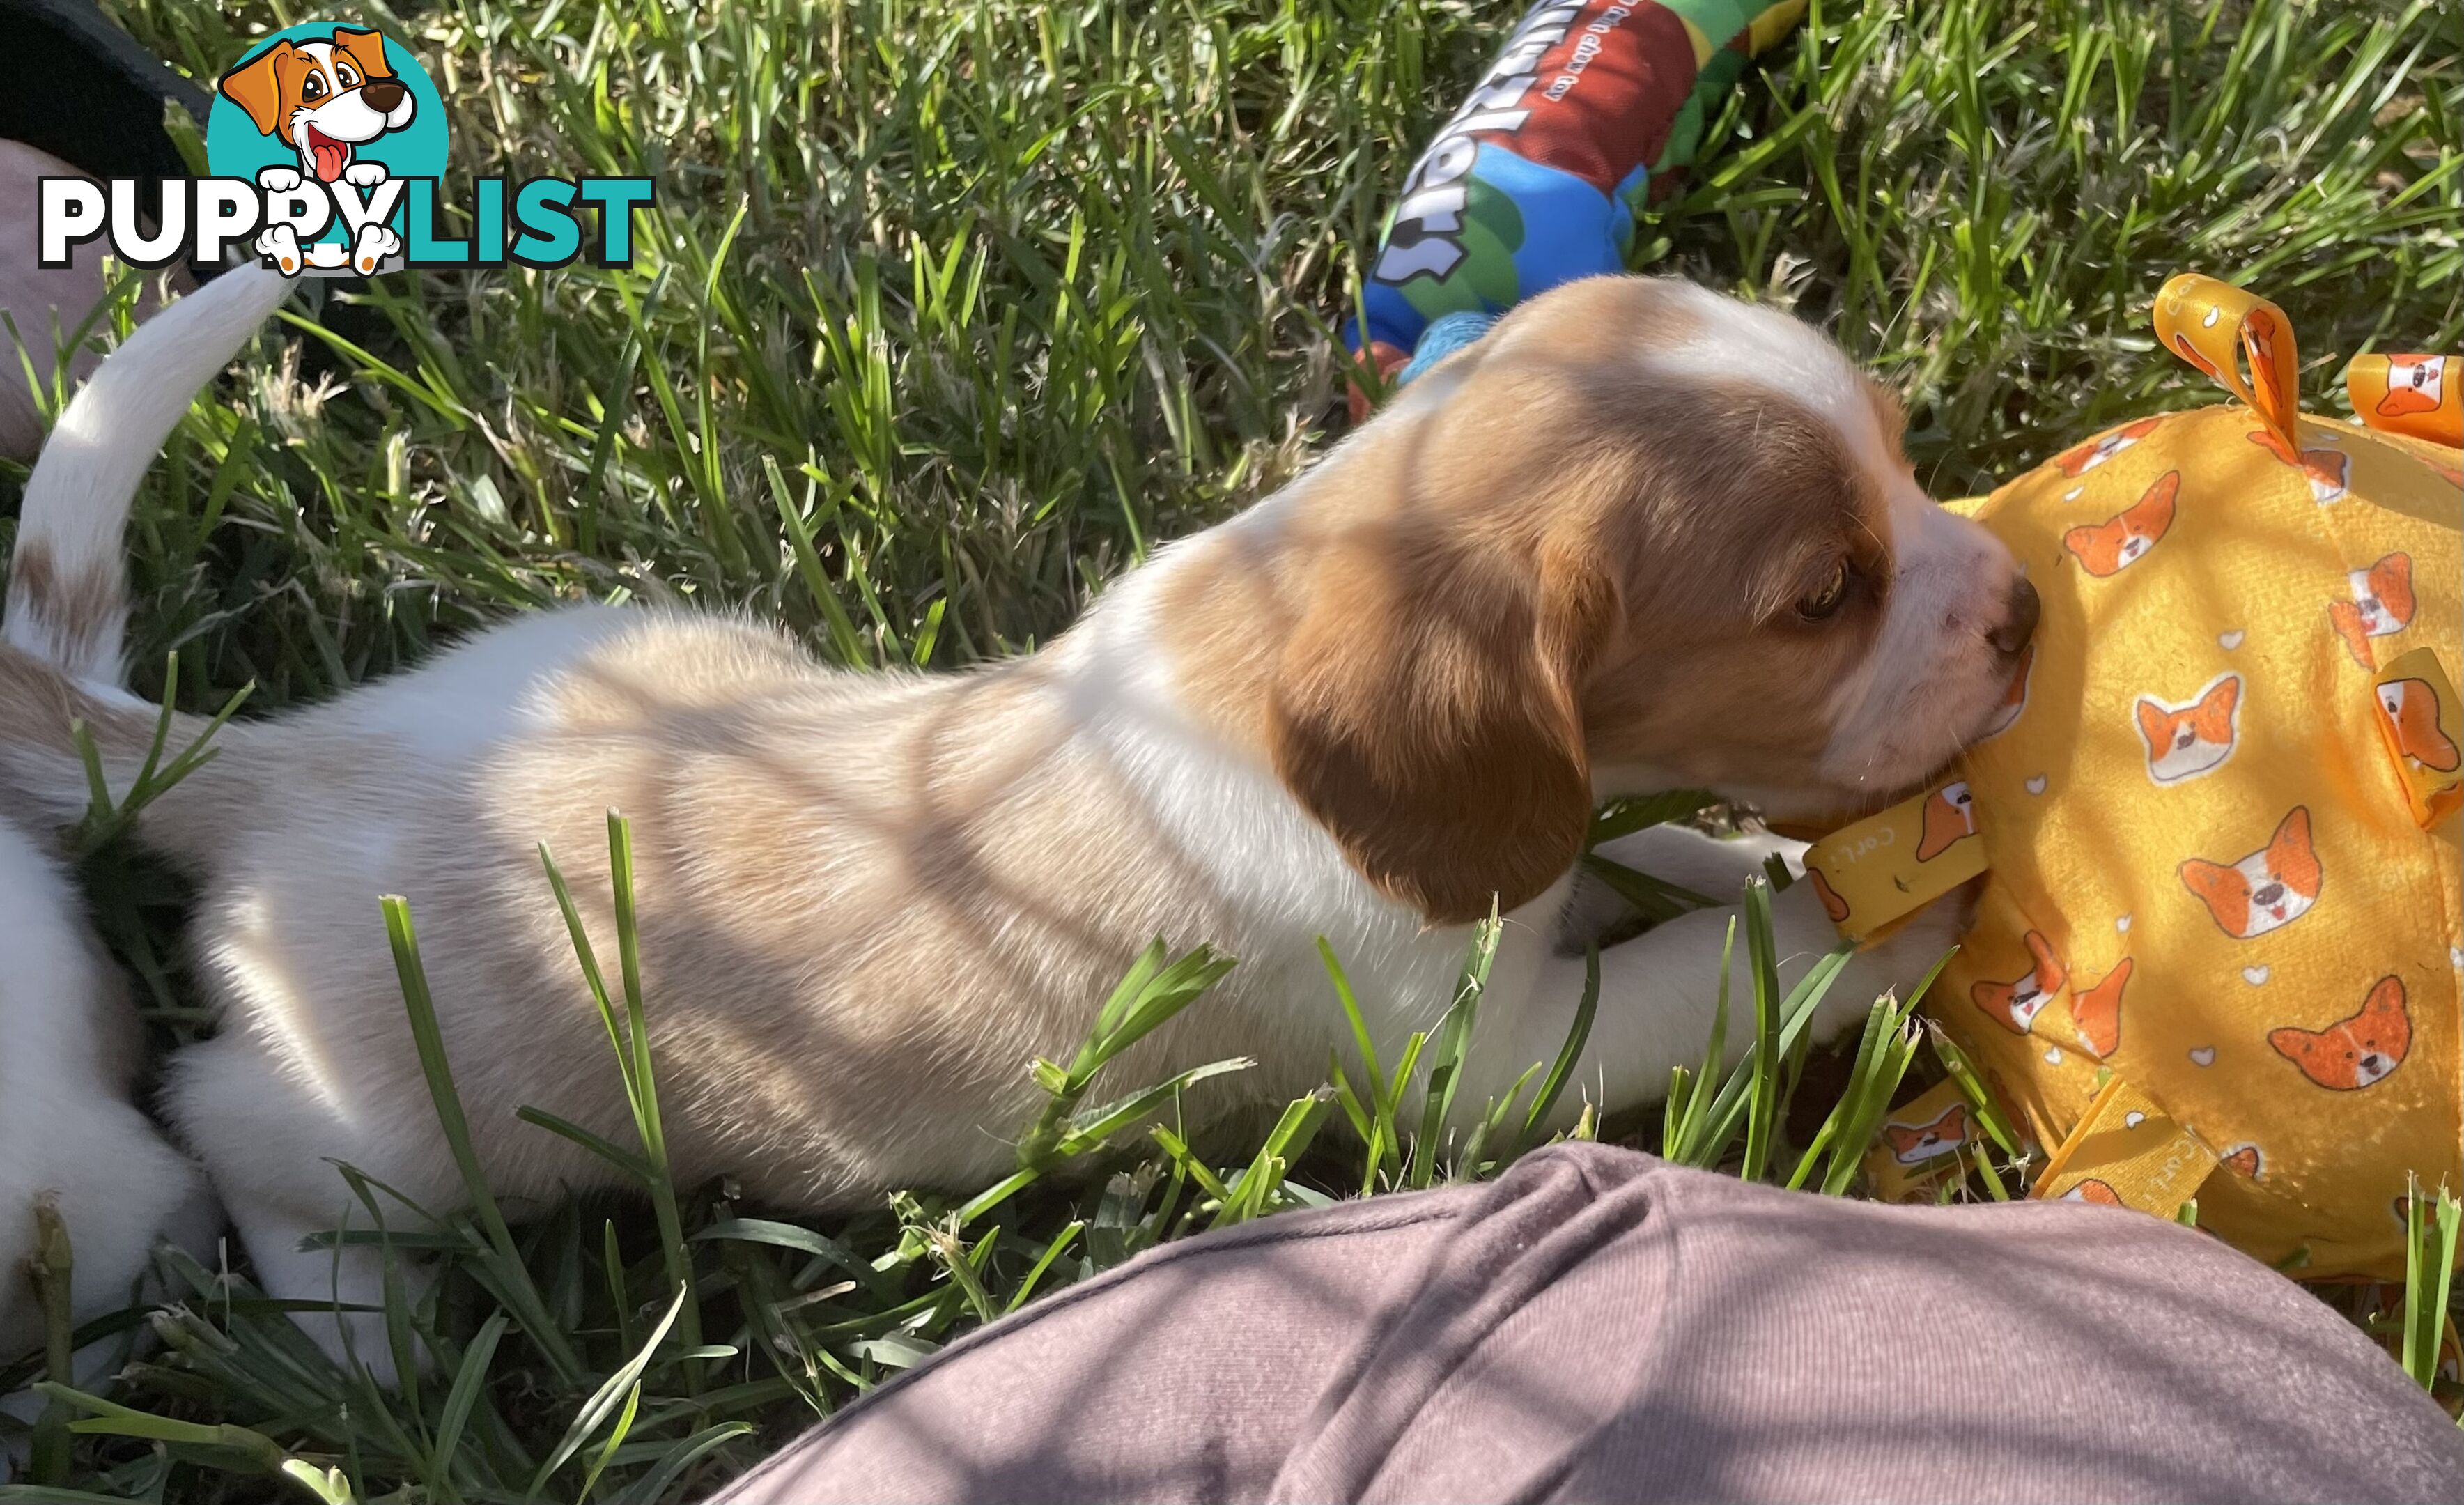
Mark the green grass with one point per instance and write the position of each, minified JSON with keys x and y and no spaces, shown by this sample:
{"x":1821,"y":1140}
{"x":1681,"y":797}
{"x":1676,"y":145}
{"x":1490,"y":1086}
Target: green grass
{"x":950,"y":310}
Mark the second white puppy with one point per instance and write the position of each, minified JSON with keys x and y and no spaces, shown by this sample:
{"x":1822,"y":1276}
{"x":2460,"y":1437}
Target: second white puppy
{"x":70,"y":1043}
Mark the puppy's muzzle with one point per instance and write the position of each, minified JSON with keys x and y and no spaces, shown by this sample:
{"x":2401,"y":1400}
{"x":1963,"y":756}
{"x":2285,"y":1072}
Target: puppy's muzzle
{"x":384,"y":95}
{"x":2019,"y":616}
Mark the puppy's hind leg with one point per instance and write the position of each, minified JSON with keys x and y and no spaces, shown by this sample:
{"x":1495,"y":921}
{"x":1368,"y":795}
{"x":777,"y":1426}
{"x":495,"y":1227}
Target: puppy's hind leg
{"x":264,"y":1127}
{"x":292,"y":1266}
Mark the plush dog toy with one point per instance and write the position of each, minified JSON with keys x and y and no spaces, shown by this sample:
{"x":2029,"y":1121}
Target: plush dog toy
{"x":2216,"y":954}
{"x":1593,"y":109}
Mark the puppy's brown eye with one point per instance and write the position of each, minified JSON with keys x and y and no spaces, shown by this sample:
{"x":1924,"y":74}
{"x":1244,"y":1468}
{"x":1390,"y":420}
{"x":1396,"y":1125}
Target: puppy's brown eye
{"x":345,"y":76}
{"x":313,"y":89}
{"x":1826,"y":600}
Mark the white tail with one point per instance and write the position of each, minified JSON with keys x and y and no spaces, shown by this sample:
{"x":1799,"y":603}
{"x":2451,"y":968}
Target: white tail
{"x":68,"y":585}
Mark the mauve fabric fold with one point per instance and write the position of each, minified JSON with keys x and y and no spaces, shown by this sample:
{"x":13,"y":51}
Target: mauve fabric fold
{"x":1598,"y":1325}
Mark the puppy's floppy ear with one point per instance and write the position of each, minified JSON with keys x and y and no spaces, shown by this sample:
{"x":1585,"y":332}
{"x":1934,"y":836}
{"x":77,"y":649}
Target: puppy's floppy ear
{"x":1427,"y":713}
{"x":256,"y":87}
{"x":365,"y":48}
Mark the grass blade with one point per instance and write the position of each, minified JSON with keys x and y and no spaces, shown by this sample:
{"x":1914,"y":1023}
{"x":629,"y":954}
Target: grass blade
{"x":1576,"y":1037}
{"x":2430,"y":1229}
{"x":620,"y":1391}
{"x":430,"y":1042}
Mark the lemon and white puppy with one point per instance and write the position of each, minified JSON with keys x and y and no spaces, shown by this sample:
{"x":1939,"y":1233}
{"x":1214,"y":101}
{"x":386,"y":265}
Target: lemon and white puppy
{"x":1640,"y":537}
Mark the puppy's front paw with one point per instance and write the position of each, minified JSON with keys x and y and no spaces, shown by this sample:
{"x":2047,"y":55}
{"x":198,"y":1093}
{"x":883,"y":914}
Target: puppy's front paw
{"x":364,"y":174}
{"x":1895,"y":964}
{"x":1908,"y":953}
{"x":277,"y":179}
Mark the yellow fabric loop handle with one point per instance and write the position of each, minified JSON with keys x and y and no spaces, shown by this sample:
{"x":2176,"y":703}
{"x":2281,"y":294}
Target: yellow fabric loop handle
{"x":2419,"y":396}
{"x":2217,"y":327}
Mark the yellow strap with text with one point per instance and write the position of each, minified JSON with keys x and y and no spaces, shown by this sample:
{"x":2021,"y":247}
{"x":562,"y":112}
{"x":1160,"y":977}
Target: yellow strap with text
{"x":1886,"y":867}
{"x":2128,"y":1152}
{"x":1919,"y":1142}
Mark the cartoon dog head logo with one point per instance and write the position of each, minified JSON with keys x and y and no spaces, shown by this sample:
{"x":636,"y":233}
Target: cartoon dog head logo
{"x":2194,"y":738}
{"x":322,"y":98}
{"x":2415,"y":383}
{"x":2382,"y":606}
{"x":1914,"y":1143}
{"x":2411,"y":709}
{"x":2327,"y":470}
{"x":2098,"y":1011}
{"x":327,"y":153}
{"x":2123,"y":540}
{"x":2014,"y":699}
{"x":2082,"y":458}
{"x":2268,"y":890}
{"x":2015,"y":1004}
{"x":1949,"y":816}
{"x":2356,"y":1052}
{"x":335,"y":126}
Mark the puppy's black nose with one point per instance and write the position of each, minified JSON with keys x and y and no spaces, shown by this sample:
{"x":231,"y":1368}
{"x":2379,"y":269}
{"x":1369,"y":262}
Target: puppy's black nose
{"x":2267,"y":897}
{"x":382,"y":95}
{"x":2018,"y":620}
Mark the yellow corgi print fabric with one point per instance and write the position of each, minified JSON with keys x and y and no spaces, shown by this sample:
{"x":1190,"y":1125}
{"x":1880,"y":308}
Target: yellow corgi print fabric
{"x":2216,"y":953}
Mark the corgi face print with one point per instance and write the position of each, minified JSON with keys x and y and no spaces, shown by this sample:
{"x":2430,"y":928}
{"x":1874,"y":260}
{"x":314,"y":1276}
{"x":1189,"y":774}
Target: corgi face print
{"x":2265,"y":891}
{"x":2124,"y":539}
{"x":1913,"y":1144}
{"x":2085,"y":458}
{"x":2092,"y":1190}
{"x":2412,"y":708}
{"x":2016,"y":1004}
{"x":2382,"y":606}
{"x":2327,"y":470}
{"x":2014,"y":699}
{"x":2098,"y":1011}
{"x":1949,"y":816}
{"x":2194,"y":738}
{"x":2243,"y":1158}
{"x":2415,"y":383}
{"x":2356,"y":1052}
{"x":1832,"y":904}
